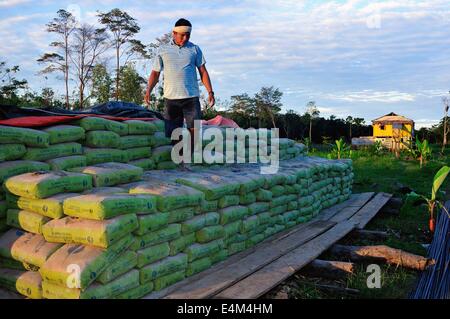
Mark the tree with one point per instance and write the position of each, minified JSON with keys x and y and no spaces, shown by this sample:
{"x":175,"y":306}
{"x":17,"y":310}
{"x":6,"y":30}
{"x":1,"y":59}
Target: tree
{"x":123,"y":28}
{"x":349,"y":120}
{"x":445,"y":101}
{"x":312,"y":112}
{"x":268,"y":104}
{"x":63,"y":26}
{"x":88,"y":44}
{"x":132,"y":85}
{"x":9,"y":84}
{"x":101,"y":84}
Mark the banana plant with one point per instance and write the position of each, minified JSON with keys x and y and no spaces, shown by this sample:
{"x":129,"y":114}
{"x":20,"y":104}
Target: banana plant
{"x":433,"y":202}
{"x":423,"y":151}
{"x":341,"y":148}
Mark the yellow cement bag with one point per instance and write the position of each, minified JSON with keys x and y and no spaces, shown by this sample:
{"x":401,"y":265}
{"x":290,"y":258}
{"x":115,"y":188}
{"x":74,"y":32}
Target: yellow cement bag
{"x":45,"y":184}
{"x":64,"y":163}
{"x":116,"y":287}
{"x":13,"y":168}
{"x":51,"y":206}
{"x":99,"y":233}
{"x":28,"y":221}
{"x":138,"y":292}
{"x":64,"y":133}
{"x":7,"y":240}
{"x":105,"y":206}
{"x":111,"y":174}
{"x":77,"y":266}
{"x":121,"y":265}
{"x":27,"y":283}
{"x":169,"y":195}
{"x":33,"y":249}
{"x":27,"y":136}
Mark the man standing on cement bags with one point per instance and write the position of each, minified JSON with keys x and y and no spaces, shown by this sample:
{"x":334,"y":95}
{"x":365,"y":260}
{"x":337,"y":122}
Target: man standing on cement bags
{"x":179,"y":60}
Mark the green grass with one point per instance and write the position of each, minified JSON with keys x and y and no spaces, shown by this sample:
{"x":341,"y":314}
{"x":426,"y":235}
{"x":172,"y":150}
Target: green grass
{"x":408,"y":231}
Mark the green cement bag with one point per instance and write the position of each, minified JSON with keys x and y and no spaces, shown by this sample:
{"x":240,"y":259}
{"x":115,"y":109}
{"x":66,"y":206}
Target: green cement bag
{"x":99,"y":233}
{"x":28,"y":221}
{"x":169,"y":233}
{"x":159,"y":124}
{"x":163,"y":267}
{"x":166,"y":165}
{"x":53,"y":151}
{"x":168,"y":280}
{"x":219,"y":256}
{"x":138,"y":292}
{"x":209,"y":233}
{"x":27,"y":136}
{"x":105,"y":206}
{"x":152,"y":254}
{"x":45,"y":184}
{"x":121,"y":265}
{"x":213,"y":186}
{"x":151,"y":222}
{"x":64,"y":133}
{"x":209,"y":206}
{"x":77,"y":266}
{"x":232,"y":213}
{"x":263,"y":195}
{"x":258,"y":207}
{"x":67,"y":162}
{"x":146,"y":164}
{"x":197,"y":251}
{"x":137,"y":127}
{"x":11,"y":152}
{"x":228,"y":200}
{"x":13,"y":168}
{"x":198,"y":266}
{"x":102,"y":139}
{"x":100,"y":124}
{"x":104,"y":155}
{"x":235,"y":248}
{"x":11,"y":264}
{"x":249,"y":224}
{"x":193,"y":224}
{"x":162,"y":154}
{"x":133,"y":141}
{"x":181,"y":214}
{"x":160,"y":139}
{"x":139,"y":153}
{"x":232,"y":228}
{"x":178,"y":245}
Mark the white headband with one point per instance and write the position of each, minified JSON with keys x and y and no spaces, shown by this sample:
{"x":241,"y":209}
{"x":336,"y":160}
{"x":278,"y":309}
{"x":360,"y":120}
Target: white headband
{"x":182,"y":29}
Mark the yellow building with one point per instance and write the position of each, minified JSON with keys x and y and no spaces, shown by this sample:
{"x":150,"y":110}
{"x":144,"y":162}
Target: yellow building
{"x":393,"y":129}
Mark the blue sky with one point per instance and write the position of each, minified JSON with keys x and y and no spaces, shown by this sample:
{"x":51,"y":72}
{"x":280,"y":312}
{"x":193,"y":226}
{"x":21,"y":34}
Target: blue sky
{"x":359,"y":58}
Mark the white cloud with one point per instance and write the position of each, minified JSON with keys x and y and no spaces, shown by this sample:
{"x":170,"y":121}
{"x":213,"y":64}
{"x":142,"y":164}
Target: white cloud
{"x":373,"y":96}
{"x":12,"y":3}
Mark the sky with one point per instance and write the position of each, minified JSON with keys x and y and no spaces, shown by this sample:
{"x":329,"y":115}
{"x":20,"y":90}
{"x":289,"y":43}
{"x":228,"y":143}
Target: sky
{"x":354,"y":57}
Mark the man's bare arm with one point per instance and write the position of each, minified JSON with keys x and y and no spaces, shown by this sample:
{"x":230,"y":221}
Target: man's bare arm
{"x":152,"y":81}
{"x":204,"y":76}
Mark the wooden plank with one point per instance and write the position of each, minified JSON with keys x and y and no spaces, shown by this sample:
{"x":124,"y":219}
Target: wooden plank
{"x":365,"y":214}
{"x":362,"y":199}
{"x":345,"y":214}
{"x":274,"y":273}
{"x":208,"y":285}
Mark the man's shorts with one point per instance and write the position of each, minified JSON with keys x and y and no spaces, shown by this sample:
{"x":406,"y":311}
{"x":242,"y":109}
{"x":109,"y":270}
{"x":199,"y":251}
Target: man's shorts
{"x":176,"y":111}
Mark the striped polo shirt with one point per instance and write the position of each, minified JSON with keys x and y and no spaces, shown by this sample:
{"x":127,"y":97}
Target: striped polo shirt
{"x":179,"y":65}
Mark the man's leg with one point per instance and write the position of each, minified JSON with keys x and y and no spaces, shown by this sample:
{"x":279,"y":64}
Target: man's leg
{"x":192,"y":112}
{"x":173,"y":114}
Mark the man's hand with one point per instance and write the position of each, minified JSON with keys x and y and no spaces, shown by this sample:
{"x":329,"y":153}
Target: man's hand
{"x":211,"y":100}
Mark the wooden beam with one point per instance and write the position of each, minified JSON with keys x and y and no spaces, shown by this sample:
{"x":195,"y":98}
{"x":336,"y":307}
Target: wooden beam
{"x":382,"y":253}
{"x":369,"y":234}
{"x":356,"y":200}
{"x":261,"y":281}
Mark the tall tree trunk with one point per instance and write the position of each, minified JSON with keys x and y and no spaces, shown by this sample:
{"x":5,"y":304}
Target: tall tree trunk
{"x":66,"y":70}
{"x":117,"y":73}
{"x":444,"y":141}
{"x":81,"y":95}
{"x":350,"y":131}
{"x":310,"y":131}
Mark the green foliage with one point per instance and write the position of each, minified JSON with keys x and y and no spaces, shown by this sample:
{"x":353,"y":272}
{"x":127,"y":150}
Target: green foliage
{"x":423,"y":151}
{"x":340,"y":150}
{"x":9,"y":84}
{"x":102,"y":83}
{"x":131,"y":87}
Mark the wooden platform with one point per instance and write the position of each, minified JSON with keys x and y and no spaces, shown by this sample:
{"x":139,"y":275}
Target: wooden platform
{"x":254,"y":272}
